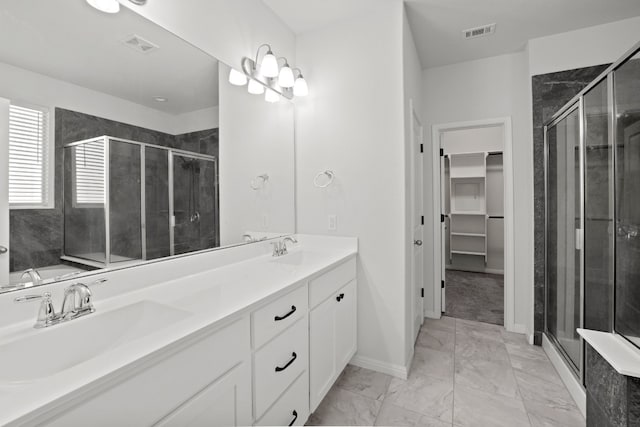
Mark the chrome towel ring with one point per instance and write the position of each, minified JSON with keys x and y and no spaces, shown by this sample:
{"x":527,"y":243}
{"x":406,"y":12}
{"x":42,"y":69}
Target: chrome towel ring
{"x":329,"y":174}
{"x":259,"y":181}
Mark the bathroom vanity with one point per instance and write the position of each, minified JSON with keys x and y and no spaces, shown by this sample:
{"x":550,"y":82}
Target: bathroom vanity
{"x":247,"y":338}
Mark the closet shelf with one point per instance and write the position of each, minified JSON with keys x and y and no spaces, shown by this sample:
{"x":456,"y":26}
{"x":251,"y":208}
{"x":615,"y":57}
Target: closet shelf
{"x":469,"y":177}
{"x":453,"y":233}
{"x":472,"y":213}
{"x":468,"y":253}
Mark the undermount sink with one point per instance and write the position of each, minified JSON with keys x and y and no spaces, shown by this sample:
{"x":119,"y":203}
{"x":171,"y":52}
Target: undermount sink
{"x":295,"y":259}
{"x":54,"y":349}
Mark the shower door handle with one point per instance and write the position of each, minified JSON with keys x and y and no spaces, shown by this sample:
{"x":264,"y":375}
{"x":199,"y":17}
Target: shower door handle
{"x":578,"y":239}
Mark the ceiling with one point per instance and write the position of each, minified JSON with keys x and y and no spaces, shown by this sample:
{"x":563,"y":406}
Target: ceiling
{"x":437,"y":25}
{"x":71,"y":41}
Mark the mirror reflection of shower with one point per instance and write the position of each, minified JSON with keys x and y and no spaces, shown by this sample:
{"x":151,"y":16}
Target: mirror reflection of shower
{"x":127,"y":201}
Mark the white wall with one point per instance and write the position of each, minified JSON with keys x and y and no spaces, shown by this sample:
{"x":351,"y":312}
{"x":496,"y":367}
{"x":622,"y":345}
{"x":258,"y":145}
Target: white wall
{"x":207,"y":118}
{"x":412,"y":79}
{"x":484,"y":89}
{"x":227,"y":30}
{"x":601,"y":44}
{"x":352,"y":123}
{"x":487,"y":139}
{"x":256,"y":137}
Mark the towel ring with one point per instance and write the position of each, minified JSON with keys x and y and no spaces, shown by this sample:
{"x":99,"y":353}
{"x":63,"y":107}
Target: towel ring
{"x":259,"y":181}
{"x":329,"y":173}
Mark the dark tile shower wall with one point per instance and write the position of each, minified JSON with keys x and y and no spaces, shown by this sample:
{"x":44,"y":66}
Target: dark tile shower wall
{"x":550,"y":93}
{"x":36,"y":235}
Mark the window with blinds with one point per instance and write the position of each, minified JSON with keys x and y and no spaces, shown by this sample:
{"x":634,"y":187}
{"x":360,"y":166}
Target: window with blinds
{"x":89,"y":174}
{"x":29,"y":163}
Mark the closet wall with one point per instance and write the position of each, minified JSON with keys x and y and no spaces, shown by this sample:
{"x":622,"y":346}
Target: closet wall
{"x":473,"y":189}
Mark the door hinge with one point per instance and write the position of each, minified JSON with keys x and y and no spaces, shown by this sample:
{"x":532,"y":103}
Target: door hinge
{"x":422,"y":148}
{"x":441,"y":218}
{"x":442,"y":152}
{"x":422,"y":220}
{"x":422,"y":292}
{"x":442,"y":284}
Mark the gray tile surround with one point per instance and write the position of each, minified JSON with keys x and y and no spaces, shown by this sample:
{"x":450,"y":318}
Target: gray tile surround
{"x":519,"y":387}
{"x":36,"y":235}
{"x":550,"y":92}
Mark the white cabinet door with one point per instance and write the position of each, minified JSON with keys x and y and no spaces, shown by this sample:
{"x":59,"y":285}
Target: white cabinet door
{"x":345,"y":324}
{"x":332,"y":340}
{"x":226,"y":402}
{"x":322,"y":348}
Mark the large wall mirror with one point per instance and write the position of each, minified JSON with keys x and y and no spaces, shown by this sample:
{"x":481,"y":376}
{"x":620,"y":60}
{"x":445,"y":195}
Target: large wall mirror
{"x":124,"y":144}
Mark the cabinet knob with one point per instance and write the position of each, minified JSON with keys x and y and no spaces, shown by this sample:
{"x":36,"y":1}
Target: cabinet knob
{"x":3,"y":250}
{"x":339,"y":297}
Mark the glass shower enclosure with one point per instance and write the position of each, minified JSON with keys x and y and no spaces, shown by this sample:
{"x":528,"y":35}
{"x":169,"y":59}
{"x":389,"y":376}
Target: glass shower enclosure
{"x":592,"y":223}
{"x":127,"y":201}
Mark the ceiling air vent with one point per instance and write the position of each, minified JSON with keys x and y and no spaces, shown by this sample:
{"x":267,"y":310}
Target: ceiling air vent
{"x":139,"y":44}
{"x":485,"y":30}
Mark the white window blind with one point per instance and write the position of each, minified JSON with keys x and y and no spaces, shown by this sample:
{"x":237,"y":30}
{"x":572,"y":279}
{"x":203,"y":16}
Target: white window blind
{"x":89,"y":179}
{"x":29,"y":184}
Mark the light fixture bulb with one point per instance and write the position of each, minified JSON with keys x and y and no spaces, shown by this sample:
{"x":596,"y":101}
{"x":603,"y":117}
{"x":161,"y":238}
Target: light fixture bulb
{"x":106,"y":6}
{"x":300,"y":87}
{"x":236,"y":78}
{"x":269,"y":65}
{"x":271,"y":96}
{"x":255,"y":88}
{"x":285,"y":78}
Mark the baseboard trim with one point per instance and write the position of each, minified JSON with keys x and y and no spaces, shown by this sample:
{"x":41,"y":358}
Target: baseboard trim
{"x":573,"y":385}
{"x":432,"y":314}
{"x":397,"y":371}
{"x":518,"y":328}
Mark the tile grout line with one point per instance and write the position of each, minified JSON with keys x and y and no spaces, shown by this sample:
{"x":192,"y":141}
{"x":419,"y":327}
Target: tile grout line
{"x":524,"y":405}
{"x":455,"y":343}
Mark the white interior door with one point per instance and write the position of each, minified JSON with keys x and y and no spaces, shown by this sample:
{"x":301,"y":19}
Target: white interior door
{"x":4,"y":191}
{"x":444,"y":189}
{"x":418,"y":226}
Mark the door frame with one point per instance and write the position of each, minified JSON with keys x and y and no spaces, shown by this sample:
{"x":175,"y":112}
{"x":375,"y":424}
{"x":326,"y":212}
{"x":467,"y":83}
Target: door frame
{"x":509,"y":260}
{"x":416,"y":158}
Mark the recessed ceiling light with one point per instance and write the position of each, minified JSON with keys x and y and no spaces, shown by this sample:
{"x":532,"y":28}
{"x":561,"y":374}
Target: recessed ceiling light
{"x":106,"y":6}
{"x":160,"y":99}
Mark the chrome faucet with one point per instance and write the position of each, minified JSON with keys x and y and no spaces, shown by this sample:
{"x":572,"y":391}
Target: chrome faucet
{"x":76,"y":303}
{"x":33,"y":274}
{"x":280,"y":248}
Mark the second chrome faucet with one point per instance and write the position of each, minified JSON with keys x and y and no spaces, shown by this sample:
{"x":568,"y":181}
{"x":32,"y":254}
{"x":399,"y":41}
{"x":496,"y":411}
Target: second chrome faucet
{"x":280,"y":247}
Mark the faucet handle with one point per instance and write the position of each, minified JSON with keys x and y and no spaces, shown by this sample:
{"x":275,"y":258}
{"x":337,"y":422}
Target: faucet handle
{"x":47,"y":313}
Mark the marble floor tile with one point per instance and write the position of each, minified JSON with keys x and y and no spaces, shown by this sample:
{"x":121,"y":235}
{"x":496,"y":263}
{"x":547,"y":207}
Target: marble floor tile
{"x":469,"y":347}
{"x":489,"y":376}
{"x":538,"y":390}
{"x":479,"y":330}
{"x":538,"y":367}
{"x":542,"y":415}
{"x":365,"y":382}
{"x":434,"y":363}
{"x":392,"y":415}
{"x":523,"y":350}
{"x":475,"y":296}
{"x":429,"y":396}
{"x":513,"y":337}
{"x":345,"y":408}
{"x":436,"y":339}
{"x":444,"y":324}
{"x":475,"y":408}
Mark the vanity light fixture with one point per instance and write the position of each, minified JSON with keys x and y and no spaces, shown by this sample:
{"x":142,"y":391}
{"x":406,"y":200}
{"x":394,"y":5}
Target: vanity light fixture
{"x":236,"y":78}
{"x":268,"y":75}
{"x":285,"y":77}
{"x":300,"y":87}
{"x":255,"y":87}
{"x":106,"y":6}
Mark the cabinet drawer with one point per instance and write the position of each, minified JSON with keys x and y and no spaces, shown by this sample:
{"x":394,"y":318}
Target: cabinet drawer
{"x":274,"y":318}
{"x":323,"y":286}
{"x":292,"y":408}
{"x":278,"y":364}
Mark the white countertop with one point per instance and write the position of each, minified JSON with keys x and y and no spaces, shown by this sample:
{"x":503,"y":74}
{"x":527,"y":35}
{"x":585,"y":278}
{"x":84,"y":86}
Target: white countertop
{"x":617,"y":351}
{"x":212,"y":297}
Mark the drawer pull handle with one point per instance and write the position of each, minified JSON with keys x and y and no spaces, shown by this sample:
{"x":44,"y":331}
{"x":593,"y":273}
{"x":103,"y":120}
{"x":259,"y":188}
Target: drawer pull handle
{"x":294,"y":356}
{"x":293,"y":310}
{"x":339,"y":297}
{"x":295,"y":417}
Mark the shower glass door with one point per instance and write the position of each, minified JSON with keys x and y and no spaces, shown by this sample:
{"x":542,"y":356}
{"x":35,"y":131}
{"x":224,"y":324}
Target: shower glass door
{"x":564,"y":235}
{"x":194,"y":200}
